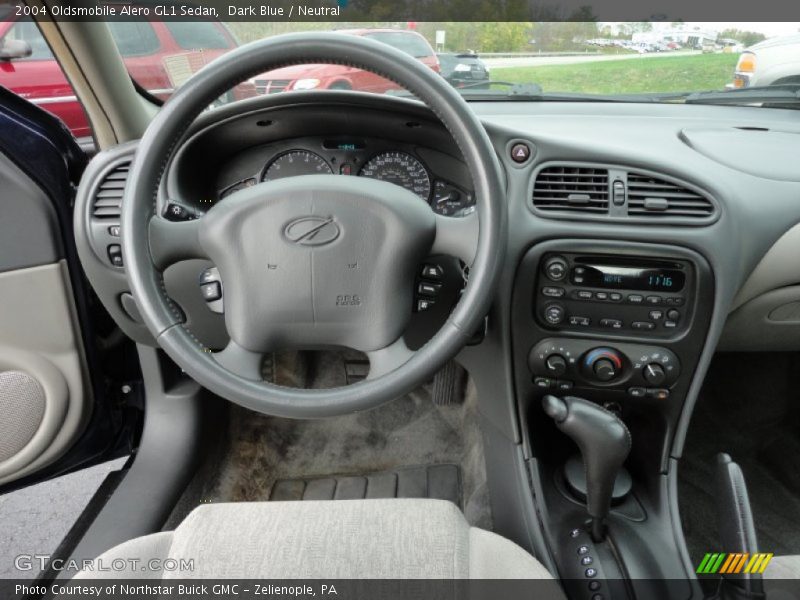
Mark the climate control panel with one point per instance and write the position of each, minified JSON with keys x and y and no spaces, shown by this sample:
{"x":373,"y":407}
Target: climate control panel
{"x":639,"y":370}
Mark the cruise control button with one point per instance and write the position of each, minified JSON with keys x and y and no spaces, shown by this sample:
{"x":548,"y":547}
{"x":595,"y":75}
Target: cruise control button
{"x":594,"y":585}
{"x":552,"y":292}
{"x":211,"y":291}
{"x":586,"y":560}
{"x":114,"y":231}
{"x":115,"y":254}
{"x":591,"y":572}
{"x":635,"y":298}
{"x":209,"y":275}
{"x":432,"y":272}
{"x":583,"y":550}
{"x":428,"y":289}
{"x":642,"y":325}
{"x":424,"y":304}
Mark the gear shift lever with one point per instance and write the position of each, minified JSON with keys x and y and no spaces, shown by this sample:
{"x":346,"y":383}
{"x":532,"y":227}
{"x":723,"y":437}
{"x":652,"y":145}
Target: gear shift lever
{"x":604,"y":442}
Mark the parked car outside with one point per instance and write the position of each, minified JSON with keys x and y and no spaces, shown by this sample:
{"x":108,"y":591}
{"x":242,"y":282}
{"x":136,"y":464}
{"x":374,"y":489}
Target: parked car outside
{"x":771,"y":62}
{"x":159,"y":55}
{"x":336,"y":77}
{"x":464,"y":70}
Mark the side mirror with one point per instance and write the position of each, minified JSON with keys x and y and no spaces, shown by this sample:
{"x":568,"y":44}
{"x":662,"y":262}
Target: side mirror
{"x":14,"y":49}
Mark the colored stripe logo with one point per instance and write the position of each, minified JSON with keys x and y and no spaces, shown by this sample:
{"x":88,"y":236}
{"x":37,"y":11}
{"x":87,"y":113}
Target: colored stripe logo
{"x":723,"y":563}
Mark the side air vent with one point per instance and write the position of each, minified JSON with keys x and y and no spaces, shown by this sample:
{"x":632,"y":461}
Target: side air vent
{"x":650,"y":196}
{"x":571,"y":189}
{"x":107,"y":201}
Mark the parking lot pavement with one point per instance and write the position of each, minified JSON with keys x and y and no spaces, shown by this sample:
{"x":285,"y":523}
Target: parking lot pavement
{"x":541,"y":61}
{"x":34,"y":520}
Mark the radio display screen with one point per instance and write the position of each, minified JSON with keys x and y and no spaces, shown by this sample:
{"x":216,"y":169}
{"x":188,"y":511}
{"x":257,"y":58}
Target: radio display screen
{"x":629,"y":277}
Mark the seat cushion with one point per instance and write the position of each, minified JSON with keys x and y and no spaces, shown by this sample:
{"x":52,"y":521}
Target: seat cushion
{"x":394,"y":538}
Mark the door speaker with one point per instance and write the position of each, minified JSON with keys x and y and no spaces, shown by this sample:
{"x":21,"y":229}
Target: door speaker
{"x":22,"y":406}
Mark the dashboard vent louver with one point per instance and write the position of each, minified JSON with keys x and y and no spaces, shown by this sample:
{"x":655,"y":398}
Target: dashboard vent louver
{"x":573,"y":189}
{"x":108,"y":198}
{"x":650,"y":196}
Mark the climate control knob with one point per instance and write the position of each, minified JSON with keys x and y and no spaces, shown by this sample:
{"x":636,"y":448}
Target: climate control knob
{"x":556,"y":365}
{"x":603,"y":364}
{"x":654,"y":374}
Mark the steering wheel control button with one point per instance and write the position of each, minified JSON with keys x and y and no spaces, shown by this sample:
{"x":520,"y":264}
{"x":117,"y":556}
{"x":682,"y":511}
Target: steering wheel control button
{"x":520,"y":152}
{"x":583,"y":550}
{"x":594,"y":585}
{"x":553,"y":292}
{"x":211,"y":291}
{"x":591,"y":572}
{"x":424,"y":304}
{"x":575,"y":533}
{"x":114,"y":231}
{"x":115,"y":255}
{"x":587,"y":560}
{"x":433,"y":272}
{"x":554,"y":314}
{"x":556,"y":268}
{"x":428,"y":289}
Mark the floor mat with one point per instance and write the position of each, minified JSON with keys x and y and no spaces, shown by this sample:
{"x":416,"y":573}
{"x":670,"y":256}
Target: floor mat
{"x":752,"y":416}
{"x":411,"y":430}
{"x":442,"y":482}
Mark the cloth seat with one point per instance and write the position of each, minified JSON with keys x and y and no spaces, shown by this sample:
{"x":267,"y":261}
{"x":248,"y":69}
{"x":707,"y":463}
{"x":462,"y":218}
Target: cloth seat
{"x":348,"y":539}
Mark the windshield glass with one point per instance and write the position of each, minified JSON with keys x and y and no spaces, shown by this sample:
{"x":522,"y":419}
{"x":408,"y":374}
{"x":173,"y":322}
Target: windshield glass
{"x":622,"y":61}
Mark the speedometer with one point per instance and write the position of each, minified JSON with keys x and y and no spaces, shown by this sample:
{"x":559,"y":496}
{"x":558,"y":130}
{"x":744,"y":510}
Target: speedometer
{"x":401,"y":169}
{"x":296,"y":162}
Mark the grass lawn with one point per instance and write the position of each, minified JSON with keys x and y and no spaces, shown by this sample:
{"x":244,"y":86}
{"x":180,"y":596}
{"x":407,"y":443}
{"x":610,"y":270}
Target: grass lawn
{"x":659,"y":74}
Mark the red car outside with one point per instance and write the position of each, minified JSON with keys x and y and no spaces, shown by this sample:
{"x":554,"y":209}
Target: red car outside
{"x":159,"y":56}
{"x":322,"y":76}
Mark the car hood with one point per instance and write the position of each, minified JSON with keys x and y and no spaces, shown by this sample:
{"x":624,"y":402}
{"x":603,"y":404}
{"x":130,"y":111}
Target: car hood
{"x":778,"y":41}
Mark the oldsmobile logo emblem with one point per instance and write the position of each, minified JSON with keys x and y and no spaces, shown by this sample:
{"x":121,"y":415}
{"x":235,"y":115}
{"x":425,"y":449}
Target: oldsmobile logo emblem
{"x":312,"y":231}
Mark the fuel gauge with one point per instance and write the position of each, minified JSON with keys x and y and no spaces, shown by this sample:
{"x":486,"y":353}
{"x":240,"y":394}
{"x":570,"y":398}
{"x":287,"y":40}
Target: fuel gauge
{"x":450,"y":201}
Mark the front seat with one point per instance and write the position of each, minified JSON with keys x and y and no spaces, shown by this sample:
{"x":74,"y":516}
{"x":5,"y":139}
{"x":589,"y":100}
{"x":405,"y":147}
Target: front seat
{"x":346,"y":539}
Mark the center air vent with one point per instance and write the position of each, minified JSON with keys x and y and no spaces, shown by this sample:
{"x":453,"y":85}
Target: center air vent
{"x":649,"y":196}
{"x":107,"y":202}
{"x":573,"y":189}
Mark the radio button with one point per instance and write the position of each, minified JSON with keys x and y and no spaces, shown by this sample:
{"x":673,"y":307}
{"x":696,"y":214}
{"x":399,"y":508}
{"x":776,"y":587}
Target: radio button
{"x":556,"y":268}
{"x":583,"y":294}
{"x":635,"y":298}
{"x":601,"y":295}
{"x":670,"y":324}
{"x":615,"y":296}
{"x":612,"y":323}
{"x":554,"y":314}
{"x":580,"y":321}
{"x":655,"y":300}
{"x":643,"y":325}
{"x":655,"y":315}
{"x":553,"y":292}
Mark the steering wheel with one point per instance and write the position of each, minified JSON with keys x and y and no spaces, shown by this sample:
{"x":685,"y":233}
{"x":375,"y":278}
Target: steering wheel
{"x":315,"y":260}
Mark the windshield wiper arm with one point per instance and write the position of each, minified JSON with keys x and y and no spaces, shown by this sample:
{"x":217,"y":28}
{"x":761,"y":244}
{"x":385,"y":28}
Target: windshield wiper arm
{"x":769,"y":94}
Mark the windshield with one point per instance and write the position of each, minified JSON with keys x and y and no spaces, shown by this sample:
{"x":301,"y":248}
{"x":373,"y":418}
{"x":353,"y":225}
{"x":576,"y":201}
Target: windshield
{"x":624,"y":61}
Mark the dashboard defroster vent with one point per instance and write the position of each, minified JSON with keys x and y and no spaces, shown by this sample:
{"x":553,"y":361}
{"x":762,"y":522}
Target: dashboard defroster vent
{"x":107,"y":202}
{"x":571,"y":189}
{"x":650,"y":196}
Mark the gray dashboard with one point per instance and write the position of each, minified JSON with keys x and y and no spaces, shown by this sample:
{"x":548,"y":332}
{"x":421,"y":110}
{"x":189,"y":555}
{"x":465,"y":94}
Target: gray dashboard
{"x":754,"y":208}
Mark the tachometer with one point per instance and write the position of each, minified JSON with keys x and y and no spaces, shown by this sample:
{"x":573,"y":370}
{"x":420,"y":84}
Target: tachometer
{"x":296,"y":162}
{"x":401,"y":169}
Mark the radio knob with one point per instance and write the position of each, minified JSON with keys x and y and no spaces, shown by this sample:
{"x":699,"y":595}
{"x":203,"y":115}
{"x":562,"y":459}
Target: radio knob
{"x":604,"y":369}
{"x":654,"y":374}
{"x":556,"y":365}
{"x":556,"y":268}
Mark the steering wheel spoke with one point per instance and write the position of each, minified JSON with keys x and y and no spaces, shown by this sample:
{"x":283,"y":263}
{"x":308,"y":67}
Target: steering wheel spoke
{"x":388,"y":359}
{"x":173,"y":241}
{"x":240,"y":361}
{"x":457,"y":236}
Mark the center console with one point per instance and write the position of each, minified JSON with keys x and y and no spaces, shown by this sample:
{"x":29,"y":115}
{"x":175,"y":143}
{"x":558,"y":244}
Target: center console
{"x":622,"y":325}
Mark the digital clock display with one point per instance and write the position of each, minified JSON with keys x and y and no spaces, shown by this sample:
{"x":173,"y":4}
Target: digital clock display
{"x":629,"y":277}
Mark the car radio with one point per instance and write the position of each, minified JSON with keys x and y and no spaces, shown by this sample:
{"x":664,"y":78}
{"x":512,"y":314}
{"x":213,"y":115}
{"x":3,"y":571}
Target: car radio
{"x":623,"y":294}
